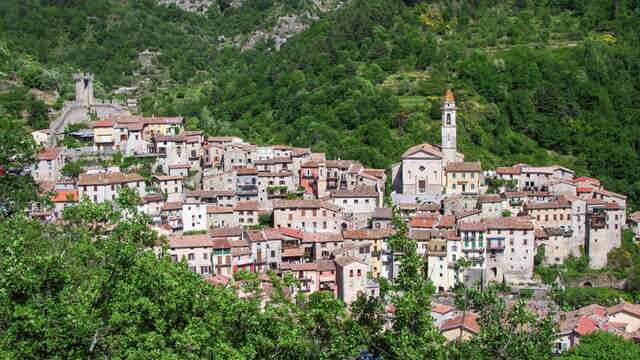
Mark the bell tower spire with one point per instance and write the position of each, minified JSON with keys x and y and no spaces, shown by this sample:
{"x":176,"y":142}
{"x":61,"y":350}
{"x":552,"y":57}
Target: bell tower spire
{"x":448,"y":129}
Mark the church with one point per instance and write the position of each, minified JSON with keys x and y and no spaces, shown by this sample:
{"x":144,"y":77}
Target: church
{"x":421,"y":174}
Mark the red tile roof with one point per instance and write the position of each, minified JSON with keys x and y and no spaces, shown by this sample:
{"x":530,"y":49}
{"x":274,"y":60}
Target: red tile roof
{"x":463,"y":167}
{"x":469,"y":322}
{"x":103,"y":123}
{"x":422,"y":222}
{"x":631,"y":309}
{"x":189,"y":241}
{"x":511,"y":170}
{"x":63,"y":196}
{"x":108,"y":178}
{"x":251,"y":205}
{"x":447,"y":221}
{"x":212,"y":209}
{"x":49,"y":154}
{"x":448,"y":96}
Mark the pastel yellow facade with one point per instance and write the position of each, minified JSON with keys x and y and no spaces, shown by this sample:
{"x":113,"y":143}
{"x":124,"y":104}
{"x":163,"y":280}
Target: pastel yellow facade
{"x":454,"y":334}
{"x":463,"y":182}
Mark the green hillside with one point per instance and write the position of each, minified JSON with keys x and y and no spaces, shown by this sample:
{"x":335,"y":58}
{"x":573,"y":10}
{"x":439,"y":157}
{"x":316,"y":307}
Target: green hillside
{"x":536,"y":81}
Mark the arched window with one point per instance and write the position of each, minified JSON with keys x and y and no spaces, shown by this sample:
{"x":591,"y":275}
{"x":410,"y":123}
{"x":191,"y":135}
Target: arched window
{"x":448,"y":119}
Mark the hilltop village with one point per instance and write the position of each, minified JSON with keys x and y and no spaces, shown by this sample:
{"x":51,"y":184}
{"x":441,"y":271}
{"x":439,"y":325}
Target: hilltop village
{"x":227,"y":205}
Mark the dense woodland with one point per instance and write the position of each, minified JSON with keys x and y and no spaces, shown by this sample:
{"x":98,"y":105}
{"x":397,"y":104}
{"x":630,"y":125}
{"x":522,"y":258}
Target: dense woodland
{"x":536,"y":81}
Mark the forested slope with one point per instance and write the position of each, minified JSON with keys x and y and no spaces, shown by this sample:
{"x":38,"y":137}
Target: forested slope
{"x":539,"y":82}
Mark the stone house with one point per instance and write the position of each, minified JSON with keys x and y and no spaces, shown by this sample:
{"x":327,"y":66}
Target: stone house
{"x":104,"y":186}
{"x":246,"y":213}
{"x":170,"y":186}
{"x":308,"y":216}
{"x":194,"y":216}
{"x":510,"y":250}
{"x":220,"y":216}
{"x":463,"y":178}
{"x":48,"y":166}
{"x":351,"y":277}
{"x":196,"y":250}
{"x":358,"y":203}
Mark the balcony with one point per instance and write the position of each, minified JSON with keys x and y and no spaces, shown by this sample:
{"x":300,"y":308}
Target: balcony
{"x":495,"y":244}
{"x":516,"y":202}
{"x":276,"y":192}
{"x":327,"y":286}
{"x":247,"y":190}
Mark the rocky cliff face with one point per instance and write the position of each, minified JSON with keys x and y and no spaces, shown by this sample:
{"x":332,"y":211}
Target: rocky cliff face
{"x":287,"y":22}
{"x":199,"y":6}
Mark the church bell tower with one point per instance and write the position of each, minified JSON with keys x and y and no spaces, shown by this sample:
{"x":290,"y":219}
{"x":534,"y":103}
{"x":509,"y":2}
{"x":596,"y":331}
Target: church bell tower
{"x":448,"y":129}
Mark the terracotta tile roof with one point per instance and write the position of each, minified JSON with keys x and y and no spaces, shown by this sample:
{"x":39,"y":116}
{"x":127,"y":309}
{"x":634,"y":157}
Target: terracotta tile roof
{"x":168,"y":177}
{"x":103,"y":123}
{"x":422,"y":222}
{"x":467,"y":213}
{"x":240,"y":251}
{"x":63,"y":196}
{"x":427,"y":148}
{"x":312,"y":266}
{"x":452,"y":235}
{"x":635,"y":217}
{"x":517,"y":223}
{"x":382,"y":213}
{"x":357,"y":192}
{"x":592,"y":181}
{"x":321,"y":237}
{"x":167,"y":206}
{"x":264,"y":235}
{"x":613,"y":206}
{"x":325,"y":265}
{"x":274,"y":174}
{"x":49,"y":154}
{"x":469,"y":322}
{"x":558,"y":204}
{"x":170,"y":138}
{"x":218,"y":279}
{"x":246,"y":206}
{"x":487,"y":199}
{"x":441,"y":308}
{"x":537,"y":170}
{"x":508,"y":170}
{"x":378,"y":173}
{"x":152,"y":198}
{"x":293,"y":252}
{"x":189,"y":241}
{"x":351,"y":246}
{"x":584,"y":190}
{"x":343,"y":261}
{"x":292,"y":233}
{"x":179,"y":166}
{"x":108,"y":178}
{"x":609,"y":193}
{"x":163,"y":120}
{"x":448,"y":97}
{"x":221,"y":243}
{"x":631,"y":309}
{"x":212,"y":209}
{"x":274,"y":160}
{"x":463,"y":167}
{"x":447,"y":221}
{"x":226,"y":232}
{"x":419,"y":234}
{"x":305,"y":204}
{"x":209,"y":193}
{"x":247,"y":171}
{"x":368,"y":234}
{"x":473,"y":226}
{"x":310,"y":164}
{"x":585,"y":326}
{"x":222,"y":138}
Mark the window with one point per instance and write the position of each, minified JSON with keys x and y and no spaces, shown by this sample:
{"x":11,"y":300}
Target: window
{"x":449,"y":119}
{"x":192,"y":256}
{"x":324,"y":224}
{"x":359,"y":272}
{"x":204,"y":256}
{"x":350,"y":273}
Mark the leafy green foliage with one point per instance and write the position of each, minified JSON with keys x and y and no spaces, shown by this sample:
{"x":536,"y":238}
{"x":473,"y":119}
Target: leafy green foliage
{"x":603,"y":346}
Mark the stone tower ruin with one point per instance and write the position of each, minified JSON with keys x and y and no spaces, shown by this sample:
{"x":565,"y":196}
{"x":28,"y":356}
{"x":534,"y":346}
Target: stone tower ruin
{"x":84,"y":89}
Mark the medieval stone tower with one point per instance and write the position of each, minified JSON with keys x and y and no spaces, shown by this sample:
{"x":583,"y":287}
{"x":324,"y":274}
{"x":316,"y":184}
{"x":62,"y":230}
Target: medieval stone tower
{"x":448,"y":129}
{"x":84,"y":89}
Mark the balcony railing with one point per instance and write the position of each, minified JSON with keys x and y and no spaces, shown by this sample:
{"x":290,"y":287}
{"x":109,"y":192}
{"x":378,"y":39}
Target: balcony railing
{"x":516,"y":202}
{"x":244,"y":190}
{"x":494,"y":244}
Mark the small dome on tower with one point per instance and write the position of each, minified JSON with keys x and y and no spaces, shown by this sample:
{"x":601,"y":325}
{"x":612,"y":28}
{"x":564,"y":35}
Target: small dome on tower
{"x":448,"y":97}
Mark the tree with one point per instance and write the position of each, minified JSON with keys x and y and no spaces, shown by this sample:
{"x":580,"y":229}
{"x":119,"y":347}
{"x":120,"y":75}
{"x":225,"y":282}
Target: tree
{"x":17,"y":153}
{"x":506,"y":331}
{"x":603,"y":346}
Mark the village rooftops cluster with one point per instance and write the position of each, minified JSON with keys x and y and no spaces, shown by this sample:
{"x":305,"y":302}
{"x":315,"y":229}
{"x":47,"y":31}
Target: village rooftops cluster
{"x":326,"y":221}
